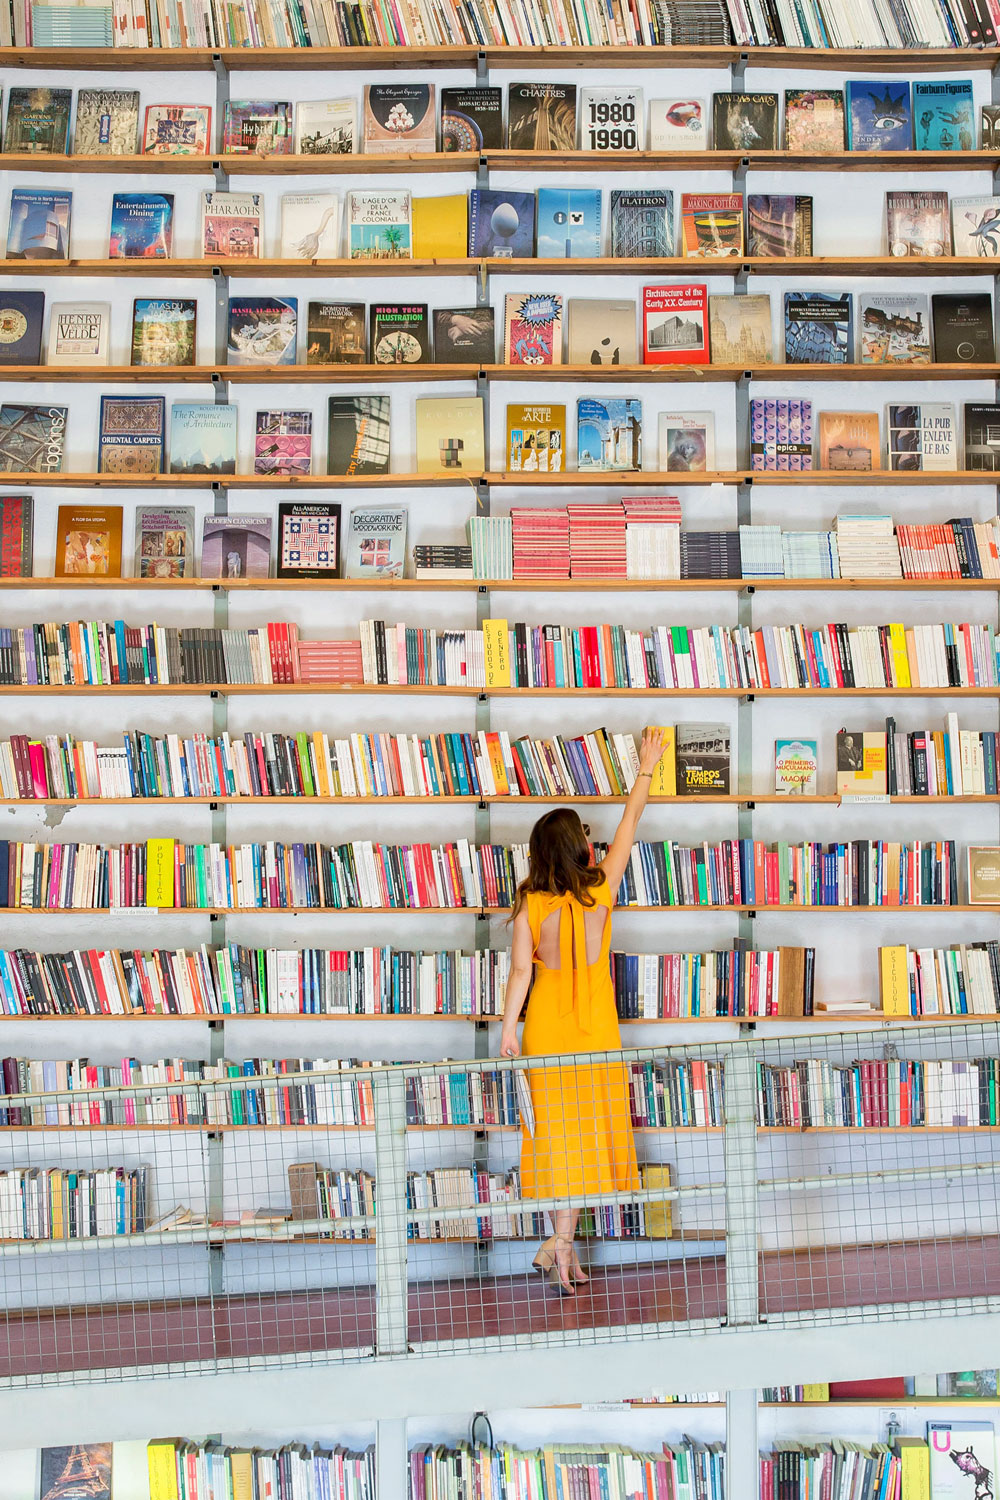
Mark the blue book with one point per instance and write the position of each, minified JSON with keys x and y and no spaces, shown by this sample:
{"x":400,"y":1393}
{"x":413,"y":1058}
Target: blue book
{"x":568,"y":223}
{"x":501,"y":223}
{"x":942,"y":115}
{"x":142,"y":226}
{"x":202,"y":438}
{"x":819,"y":328}
{"x":21,"y":327}
{"x":39,"y":225}
{"x":609,"y":433}
{"x":878,"y":115}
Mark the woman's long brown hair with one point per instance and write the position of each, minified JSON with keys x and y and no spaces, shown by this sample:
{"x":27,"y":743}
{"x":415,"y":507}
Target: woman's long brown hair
{"x":559,"y":860}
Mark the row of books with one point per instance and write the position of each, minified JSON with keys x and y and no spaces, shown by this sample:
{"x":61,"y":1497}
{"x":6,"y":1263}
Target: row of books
{"x":505,"y":1472}
{"x":549,"y":223}
{"x":182,"y":1470}
{"x":402,"y":117}
{"x":164,"y":873}
{"x":236,"y":980}
{"x":842,"y":1469}
{"x":71,"y":1203}
{"x":879,"y":1093}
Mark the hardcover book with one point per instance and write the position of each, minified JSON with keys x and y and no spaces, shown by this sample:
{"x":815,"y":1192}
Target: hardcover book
{"x":375,"y":542}
{"x":335,"y":333}
{"x":326,"y":127}
{"x":358,"y":435}
{"x":702,"y":759}
{"x":398,"y":333}
{"x":450,"y":434}
{"x":611,"y":119}
{"x":141,"y":226}
{"x":779,"y":224}
{"x":674,"y":325}
{"x":203,"y":437}
{"x":923,"y":438}
{"x":257,"y":127}
{"x":678,"y":125}
{"x":378,"y":226}
{"x":310,"y":226}
{"x":21,"y":315}
{"x":15,"y":536}
{"x":32,"y":438}
{"x":79,"y":333}
{"x":501,"y":223}
{"x":814,"y":120}
{"x":745,"y":122}
{"x":609,"y":433}
{"x":37,"y":121}
{"x":849,"y":440}
{"x":164,"y":541}
{"x":878,"y":115}
{"x":642,"y":223}
{"x":230,"y":225}
{"x":308,"y":540}
{"x":990,"y":127}
{"x":164,"y":330}
{"x":107,"y":122}
{"x":861,"y":763}
{"x":975,"y":226}
{"x":541,"y":116}
{"x":89,"y":541}
{"x":740,"y":329}
{"x":894,"y":330}
{"x":177,"y":130}
{"x":262,"y":330}
{"x":601,"y":332}
{"x":943,"y":119}
{"x":399,"y":117}
{"x":94,"y":1459}
{"x":131,"y":435}
{"x":536,"y":438}
{"x":465,"y":336}
{"x":568,"y":223}
{"x":947,"y":1445}
{"x":781,"y":434}
{"x":917,"y":223}
{"x":236,"y":547}
{"x":283,"y":444}
{"x":963,"y":327}
{"x":796,"y":763}
{"x":532,"y":328}
{"x":712,"y":225}
{"x":687,"y":442}
{"x":471,"y":119}
{"x":982,"y":436}
{"x":440,"y":227}
{"x":39,"y":225}
{"x":819,"y":328}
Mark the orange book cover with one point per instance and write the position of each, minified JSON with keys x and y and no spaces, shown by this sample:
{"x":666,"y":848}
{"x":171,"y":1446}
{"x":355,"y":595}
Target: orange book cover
{"x":89,"y":541}
{"x":849,"y":440}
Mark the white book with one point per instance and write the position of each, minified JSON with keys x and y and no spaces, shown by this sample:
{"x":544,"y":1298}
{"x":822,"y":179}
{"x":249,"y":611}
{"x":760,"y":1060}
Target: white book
{"x":326,"y":127}
{"x":310,"y":226}
{"x":79,"y":333}
{"x":678,"y":124}
{"x":975,"y":227}
{"x":611,"y":120}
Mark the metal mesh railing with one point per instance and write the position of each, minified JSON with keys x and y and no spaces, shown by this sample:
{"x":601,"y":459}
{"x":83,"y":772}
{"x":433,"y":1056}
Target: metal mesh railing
{"x":338,"y":1212}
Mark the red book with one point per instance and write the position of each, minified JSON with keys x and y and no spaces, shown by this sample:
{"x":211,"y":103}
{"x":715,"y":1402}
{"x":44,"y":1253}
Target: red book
{"x":675,"y":325}
{"x":854,"y":1390}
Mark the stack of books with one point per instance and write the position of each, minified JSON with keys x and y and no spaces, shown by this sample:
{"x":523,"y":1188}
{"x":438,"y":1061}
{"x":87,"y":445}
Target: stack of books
{"x":540,"y":541}
{"x":71,"y":26}
{"x":336,"y":662}
{"x":597,"y":541}
{"x":761,"y":554}
{"x":809,"y":554}
{"x":491,"y":539}
{"x":711,"y":554}
{"x":867,"y":547}
{"x":652,"y":536}
{"x":442,"y":562}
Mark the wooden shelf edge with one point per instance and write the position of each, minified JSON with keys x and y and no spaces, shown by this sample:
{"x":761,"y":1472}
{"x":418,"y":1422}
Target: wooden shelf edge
{"x":759,"y":908}
{"x":769,"y":799}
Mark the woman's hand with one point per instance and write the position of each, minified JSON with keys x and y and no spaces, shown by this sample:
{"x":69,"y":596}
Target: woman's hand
{"x":654,"y":742}
{"x":509,"y":1044}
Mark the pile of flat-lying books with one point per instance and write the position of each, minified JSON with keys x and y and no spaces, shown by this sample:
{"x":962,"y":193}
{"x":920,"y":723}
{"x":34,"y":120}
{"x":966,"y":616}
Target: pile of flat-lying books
{"x":597,"y":547}
{"x":540,"y":542}
{"x":867,"y":547}
{"x":442,"y":562}
{"x":761,"y":552}
{"x":492,"y":542}
{"x":808,"y":554}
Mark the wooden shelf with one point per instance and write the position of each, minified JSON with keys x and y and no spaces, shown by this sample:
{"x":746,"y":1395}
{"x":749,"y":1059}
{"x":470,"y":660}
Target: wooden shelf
{"x":869,"y":479}
{"x":536,"y":374}
{"x":139,"y":1127}
{"x":734,"y":799}
{"x":943,"y":266}
{"x":502,"y":585}
{"x":470,"y":911}
{"x":874,"y":60}
{"x":827,"y":1019}
{"x":230,"y":690}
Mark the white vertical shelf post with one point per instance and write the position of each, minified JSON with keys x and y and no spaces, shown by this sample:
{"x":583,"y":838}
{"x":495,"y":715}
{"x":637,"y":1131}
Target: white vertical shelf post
{"x":392,"y":1462}
{"x":740,"y":1154}
{"x":742,"y":1463}
{"x":389,"y":1088}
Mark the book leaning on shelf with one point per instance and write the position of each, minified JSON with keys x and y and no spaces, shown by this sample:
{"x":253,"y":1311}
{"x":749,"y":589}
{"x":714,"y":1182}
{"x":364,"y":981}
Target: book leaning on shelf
{"x":165,"y":874}
{"x":236,"y":980}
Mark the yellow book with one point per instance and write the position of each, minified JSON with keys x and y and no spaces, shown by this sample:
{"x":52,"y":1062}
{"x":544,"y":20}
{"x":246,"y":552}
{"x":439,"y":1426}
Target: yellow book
{"x":56,"y":1199}
{"x":161,"y":1457}
{"x":322,"y":771}
{"x":894,"y":980}
{"x":664,"y":782}
{"x":440,"y":227}
{"x":497,"y":766}
{"x":495,"y":650}
{"x":159,"y":872}
{"x":900,"y":660}
{"x":241,"y":1469}
{"x":658,"y":1215}
{"x":915,"y":1456}
{"x":820,"y":1392}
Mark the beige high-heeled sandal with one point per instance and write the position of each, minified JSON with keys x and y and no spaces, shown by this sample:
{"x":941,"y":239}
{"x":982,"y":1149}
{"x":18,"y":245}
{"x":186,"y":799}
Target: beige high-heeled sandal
{"x":555,"y":1279}
{"x":545,"y":1259}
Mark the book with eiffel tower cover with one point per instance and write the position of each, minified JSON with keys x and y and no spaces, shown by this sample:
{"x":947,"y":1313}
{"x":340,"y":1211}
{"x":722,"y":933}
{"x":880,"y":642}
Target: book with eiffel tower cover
{"x":82,"y":1469}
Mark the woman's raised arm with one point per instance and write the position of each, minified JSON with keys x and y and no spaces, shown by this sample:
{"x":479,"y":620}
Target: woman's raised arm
{"x":615,"y":862}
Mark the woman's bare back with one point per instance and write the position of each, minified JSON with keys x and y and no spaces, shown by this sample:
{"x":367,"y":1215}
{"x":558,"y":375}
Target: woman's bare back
{"x":594,"y":924}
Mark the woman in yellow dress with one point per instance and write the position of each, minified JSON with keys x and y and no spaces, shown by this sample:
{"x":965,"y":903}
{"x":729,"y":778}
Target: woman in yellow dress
{"x":582,"y":1143}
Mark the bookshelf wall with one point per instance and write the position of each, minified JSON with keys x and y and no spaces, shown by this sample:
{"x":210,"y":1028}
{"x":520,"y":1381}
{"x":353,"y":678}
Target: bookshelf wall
{"x":847,"y":231}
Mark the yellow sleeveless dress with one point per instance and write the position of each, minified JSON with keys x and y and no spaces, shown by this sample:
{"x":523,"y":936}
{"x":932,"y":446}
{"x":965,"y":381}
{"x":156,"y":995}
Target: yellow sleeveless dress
{"x":583,"y":1129}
